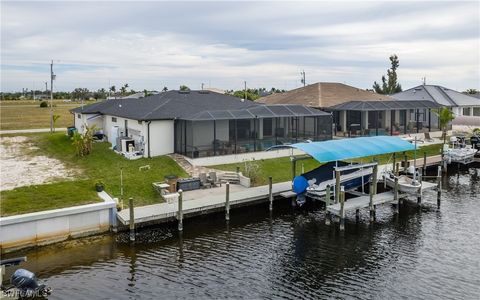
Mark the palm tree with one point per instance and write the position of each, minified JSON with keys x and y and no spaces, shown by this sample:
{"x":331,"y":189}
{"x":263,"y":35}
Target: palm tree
{"x":113,"y":89}
{"x":445,"y":116}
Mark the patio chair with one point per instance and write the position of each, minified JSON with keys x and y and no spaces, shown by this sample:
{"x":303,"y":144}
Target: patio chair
{"x":428,"y":138}
{"x":214,"y":179}
{"x":204,"y":181}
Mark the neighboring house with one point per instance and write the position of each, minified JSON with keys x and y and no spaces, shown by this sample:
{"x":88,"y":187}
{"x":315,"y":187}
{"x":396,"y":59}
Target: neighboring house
{"x":359,"y":112}
{"x":201,"y":123}
{"x":461,"y":104}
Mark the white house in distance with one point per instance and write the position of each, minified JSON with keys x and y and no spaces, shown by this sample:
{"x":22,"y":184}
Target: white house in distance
{"x":201,"y":124}
{"x":461,"y":104}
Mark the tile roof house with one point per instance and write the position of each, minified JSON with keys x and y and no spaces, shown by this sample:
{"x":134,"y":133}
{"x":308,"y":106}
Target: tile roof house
{"x":322,"y":95}
{"x":201,"y":123}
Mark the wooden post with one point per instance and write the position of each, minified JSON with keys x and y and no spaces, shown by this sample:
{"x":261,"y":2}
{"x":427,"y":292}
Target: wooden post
{"x":439,"y":186}
{"x":327,"y":203}
{"x":372,"y":210}
{"x":342,"y":208}
{"x":395,"y":194}
{"x":424,"y":163}
{"x":238,"y":169}
{"x":180,"y":210}
{"x":337,"y":186}
{"x":227,"y":201}
{"x":357,"y":215}
{"x":375,"y":175}
{"x":327,"y":195}
{"x":394,"y":161}
{"x":405,"y":162}
{"x":294,"y":172}
{"x":397,"y":170}
{"x":131,"y":223}
{"x":270,"y":193}
{"x":419,"y":195}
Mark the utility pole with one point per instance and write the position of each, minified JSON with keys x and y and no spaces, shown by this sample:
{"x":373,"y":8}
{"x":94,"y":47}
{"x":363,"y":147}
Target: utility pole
{"x":303,"y":77}
{"x":52,"y":77}
{"x":202,"y":86}
{"x":424,"y":79}
{"x":245,"y":83}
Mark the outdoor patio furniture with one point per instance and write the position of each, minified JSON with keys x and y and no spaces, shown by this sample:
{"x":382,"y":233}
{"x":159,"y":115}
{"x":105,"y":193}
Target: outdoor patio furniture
{"x":161,"y":187}
{"x":428,"y":138}
{"x":213,"y":179}
{"x":204,"y":181}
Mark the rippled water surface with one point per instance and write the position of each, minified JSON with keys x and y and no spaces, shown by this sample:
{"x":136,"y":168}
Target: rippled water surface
{"x":423,"y":253}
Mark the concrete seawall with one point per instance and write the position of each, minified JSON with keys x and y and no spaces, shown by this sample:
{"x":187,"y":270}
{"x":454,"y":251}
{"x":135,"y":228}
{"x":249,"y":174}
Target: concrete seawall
{"x":46,"y":227}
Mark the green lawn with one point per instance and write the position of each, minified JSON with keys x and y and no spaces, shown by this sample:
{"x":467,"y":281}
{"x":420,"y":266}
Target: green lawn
{"x":103,"y":164}
{"x":280,"y":168}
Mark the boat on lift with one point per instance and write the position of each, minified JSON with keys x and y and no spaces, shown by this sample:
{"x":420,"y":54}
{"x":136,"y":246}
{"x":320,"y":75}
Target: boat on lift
{"x":314,"y":184}
{"x":405,"y":183}
{"x":333,"y":154}
{"x":459,"y":152}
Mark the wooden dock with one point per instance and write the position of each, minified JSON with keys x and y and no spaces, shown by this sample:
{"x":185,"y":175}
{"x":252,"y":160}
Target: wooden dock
{"x":164,"y":212}
{"x":363,"y":201}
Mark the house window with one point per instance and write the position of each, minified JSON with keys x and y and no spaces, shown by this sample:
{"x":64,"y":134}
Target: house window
{"x":79,"y":116}
{"x":114,"y":120}
{"x":476,"y":111}
{"x":466,"y":111}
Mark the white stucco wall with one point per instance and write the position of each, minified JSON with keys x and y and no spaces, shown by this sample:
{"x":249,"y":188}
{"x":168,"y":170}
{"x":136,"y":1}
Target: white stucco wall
{"x":51,"y":226}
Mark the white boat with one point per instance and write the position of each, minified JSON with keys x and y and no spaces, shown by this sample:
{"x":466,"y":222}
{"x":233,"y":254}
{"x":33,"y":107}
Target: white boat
{"x":405,"y":183}
{"x":459,"y":153}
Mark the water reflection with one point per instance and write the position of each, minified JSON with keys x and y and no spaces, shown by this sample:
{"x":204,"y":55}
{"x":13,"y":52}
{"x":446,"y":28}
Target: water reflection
{"x":420,"y":253}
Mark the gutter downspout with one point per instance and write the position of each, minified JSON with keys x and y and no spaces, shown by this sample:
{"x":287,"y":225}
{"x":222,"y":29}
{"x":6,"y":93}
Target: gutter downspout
{"x":148,"y":137}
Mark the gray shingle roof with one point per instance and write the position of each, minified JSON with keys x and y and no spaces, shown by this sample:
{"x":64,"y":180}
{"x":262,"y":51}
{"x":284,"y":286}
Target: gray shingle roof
{"x":384,"y":105}
{"x":438,"y":94}
{"x":166,"y":106}
{"x":193,"y":105}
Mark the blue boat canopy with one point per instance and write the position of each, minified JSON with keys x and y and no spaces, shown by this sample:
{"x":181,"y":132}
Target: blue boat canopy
{"x":334,"y":150}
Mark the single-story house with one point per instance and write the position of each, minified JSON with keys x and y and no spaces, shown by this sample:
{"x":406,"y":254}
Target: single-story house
{"x":201,"y":123}
{"x":461,"y":104}
{"x":359,"y":112}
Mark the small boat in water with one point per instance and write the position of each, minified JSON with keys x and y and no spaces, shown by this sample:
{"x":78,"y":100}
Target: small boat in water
{"x":405,"y":183}
{"x":314,"y":184}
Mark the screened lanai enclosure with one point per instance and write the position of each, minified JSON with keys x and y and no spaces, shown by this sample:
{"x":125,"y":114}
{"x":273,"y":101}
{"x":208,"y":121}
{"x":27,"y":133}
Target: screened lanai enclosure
{"x":372,"y":118}
{"x":224,"y":132}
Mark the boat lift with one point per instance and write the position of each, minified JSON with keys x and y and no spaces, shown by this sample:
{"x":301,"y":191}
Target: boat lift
{"x":345,"y":149}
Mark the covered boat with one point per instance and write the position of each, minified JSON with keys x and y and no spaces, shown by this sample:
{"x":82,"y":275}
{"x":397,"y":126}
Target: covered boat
{"x":333,"y":153}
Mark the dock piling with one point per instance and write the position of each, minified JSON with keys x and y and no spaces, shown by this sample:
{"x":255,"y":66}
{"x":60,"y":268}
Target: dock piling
{"x":375,"y":178}
{"x":419,"y":195}
{"x":327,"y":203}
{"x":395,"y":194}
{"x":405,"y":162}
{"x":227,"y":201}
{"x":337,"y":186}
{"x":180,"y":210}
{"x":439,"y":186}
{"x":372,"y":209}
{"x":270,"y":193}
{"x":397,"y":169}
{"x":342,"y":208}
{"x":132,"y":220}
{"x":424,"y":163}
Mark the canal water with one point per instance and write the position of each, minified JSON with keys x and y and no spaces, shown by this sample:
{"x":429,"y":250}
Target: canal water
{"x":423,"y":253}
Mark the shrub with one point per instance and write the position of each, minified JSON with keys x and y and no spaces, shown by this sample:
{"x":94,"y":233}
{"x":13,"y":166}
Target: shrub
{"x":83,"y":143}
{"x":43,"y":104}
{"x":252,"y":171}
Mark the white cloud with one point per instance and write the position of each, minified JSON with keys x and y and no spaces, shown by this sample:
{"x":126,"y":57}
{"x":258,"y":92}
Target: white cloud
{"x":267,"y":44}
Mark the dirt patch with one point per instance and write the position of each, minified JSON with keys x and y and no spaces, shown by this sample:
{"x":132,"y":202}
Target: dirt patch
{"x":19,"y":167}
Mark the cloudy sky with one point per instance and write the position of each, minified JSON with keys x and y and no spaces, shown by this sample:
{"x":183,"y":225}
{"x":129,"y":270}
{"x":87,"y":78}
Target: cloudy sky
{"x":221,"y":44}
